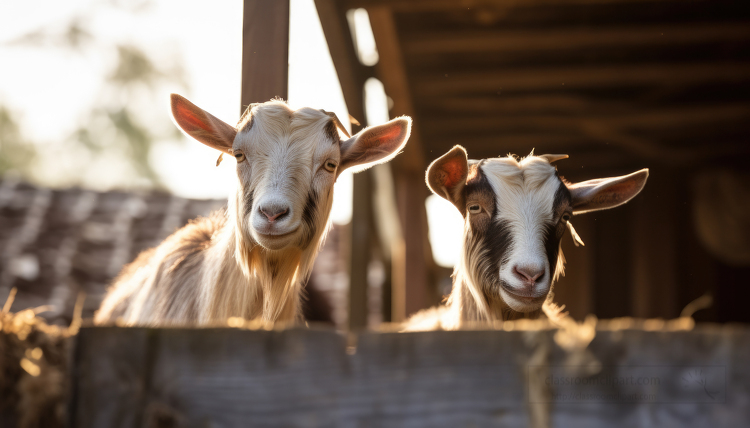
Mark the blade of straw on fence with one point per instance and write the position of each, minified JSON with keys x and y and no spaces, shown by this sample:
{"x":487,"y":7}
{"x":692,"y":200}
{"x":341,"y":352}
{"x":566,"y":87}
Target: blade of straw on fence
{"x":9,"y":300}
{"x":75,"y":324}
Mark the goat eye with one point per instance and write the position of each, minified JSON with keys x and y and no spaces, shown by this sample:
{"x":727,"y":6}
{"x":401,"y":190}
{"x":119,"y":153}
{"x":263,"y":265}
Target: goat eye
{"x":239,"y":156}
{"x":566,"y":217}
{"x":330,"y":165}
{"x":475,"y":209}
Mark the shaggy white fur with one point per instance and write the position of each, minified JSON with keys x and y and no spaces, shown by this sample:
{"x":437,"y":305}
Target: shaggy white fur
{"x":516,"y":212}
{"x":250,"y":261}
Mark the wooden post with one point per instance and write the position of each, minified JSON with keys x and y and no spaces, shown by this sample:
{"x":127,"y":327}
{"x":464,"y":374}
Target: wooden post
{"x":613,"y":253}
{"x":411,"y":286}
{"x":654,"y":250}
{"x":360,"y":250}
{"x":265,"y":51}
{"x":352,"y":75}
{"x":412,"y":292}
{"x":575,"y":290}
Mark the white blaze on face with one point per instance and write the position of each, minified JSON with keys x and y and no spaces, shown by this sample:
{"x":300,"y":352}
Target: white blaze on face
{"x":286,"y":188}
{"x":524,"y":195}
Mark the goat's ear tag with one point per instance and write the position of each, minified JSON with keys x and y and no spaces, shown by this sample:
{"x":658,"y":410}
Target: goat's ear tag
{"x":576,"y":239}
{"x":221,"y":157}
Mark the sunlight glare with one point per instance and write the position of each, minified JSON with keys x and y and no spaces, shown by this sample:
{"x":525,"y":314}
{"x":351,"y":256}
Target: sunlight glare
{"x":364,"y":40}
{"x":446,"y":229}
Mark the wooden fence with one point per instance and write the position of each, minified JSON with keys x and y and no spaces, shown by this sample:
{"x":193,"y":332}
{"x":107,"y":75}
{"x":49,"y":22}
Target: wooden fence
{"x":139,"y":377}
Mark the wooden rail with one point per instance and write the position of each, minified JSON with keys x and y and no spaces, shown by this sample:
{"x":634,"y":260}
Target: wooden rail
{"x":132,"y":377}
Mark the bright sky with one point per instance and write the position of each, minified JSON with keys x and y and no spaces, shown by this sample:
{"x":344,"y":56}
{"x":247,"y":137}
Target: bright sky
{"x":49,"y":88}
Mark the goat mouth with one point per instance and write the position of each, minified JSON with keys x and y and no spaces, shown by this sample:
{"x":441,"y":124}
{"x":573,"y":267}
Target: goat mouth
{"x":525,"y":297}
{"x":275,"y":235}
{"x":521,"y":303}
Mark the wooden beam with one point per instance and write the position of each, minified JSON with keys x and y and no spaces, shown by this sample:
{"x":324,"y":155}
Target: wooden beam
{"x":361,"y":246}
{"x":265,"y":51}
{"x":519,"y":104}
{"x":411,"y":288}
{"x":575,"y":290}
{"x":612,"y":261}
{"x":614,"y":130}
{"x":392,"y":72}
{"x":501,"y":144}
{"x":351,"y":75}
{"x":652,"y":119}
{"x":586,"y":155}
{"x":654,"y":250}
{"x":438,"y":85}
{"x":447,"y":5}
{"x":485,"y":41}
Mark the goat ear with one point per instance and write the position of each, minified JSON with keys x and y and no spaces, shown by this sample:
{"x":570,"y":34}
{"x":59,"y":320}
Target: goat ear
{"x":202,"y":125}
{"x":376,"y":144}
{"x":605,"y":193}
{"x":446,"y":176}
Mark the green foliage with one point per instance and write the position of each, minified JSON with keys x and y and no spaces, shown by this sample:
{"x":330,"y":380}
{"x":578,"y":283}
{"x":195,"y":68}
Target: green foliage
{"x":133,"y":67}
{"x":121,"y":126}
{"x":140,"y":142}
{"x":15,"y":152}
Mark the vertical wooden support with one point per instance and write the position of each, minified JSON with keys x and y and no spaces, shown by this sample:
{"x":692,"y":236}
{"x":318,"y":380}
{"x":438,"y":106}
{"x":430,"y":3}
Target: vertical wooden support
{"x":412,"y":292}
{"x":697,"y":270}
{"x":411,"y":286}
{"x":575,"y":289}
{"x":613,"y":253}
{"x":265,"y":51}
{"x":654,"y":250}
{"x":360,"y":250}
{"x":352,"y":75}
{"x":411,"y":256}
{"x":390,"y":237}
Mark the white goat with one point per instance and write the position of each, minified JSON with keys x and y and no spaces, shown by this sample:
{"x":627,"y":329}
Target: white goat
{"x":251,"y":260}
{"x":515,"y":214}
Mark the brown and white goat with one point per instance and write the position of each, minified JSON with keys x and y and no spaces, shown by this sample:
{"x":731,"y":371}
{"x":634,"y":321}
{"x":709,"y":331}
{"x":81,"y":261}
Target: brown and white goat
{"x":515,"y":215}
{"x":251,"y":260}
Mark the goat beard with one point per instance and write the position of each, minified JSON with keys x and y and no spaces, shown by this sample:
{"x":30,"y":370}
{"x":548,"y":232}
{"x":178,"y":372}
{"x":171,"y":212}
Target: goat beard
{"x":482,"y":270}
{"x":491,"y":284}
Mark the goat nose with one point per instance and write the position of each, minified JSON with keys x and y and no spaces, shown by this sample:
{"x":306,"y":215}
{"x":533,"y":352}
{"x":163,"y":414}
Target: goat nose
{"x":529,"y":274}
{"x":274,"y":212}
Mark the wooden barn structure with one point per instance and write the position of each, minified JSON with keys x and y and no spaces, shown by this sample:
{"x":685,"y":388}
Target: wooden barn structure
{"x":56,"y":244}
{"x":618,"y":85}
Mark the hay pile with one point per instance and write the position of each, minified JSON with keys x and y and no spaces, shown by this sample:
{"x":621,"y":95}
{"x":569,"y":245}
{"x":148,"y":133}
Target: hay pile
{"x":33,"y":363}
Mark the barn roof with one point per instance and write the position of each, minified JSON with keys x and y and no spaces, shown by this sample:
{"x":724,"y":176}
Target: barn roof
{"x":57,"y":243}
{"x":610,"y":82}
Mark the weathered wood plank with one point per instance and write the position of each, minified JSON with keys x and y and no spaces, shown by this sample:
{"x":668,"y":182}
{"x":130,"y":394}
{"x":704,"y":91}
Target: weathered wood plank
{"x":265,"y":51}
{"x":109,"y":377}
{"x":678,"y":361}
{"x":448,"y":5}
{"x":412,"y":290}
{"x":352,"y":75}
{"x":486,"y":41}
{"x":646,"y":119}
{"x":299,"y":378}
{"x":580,"y":77}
